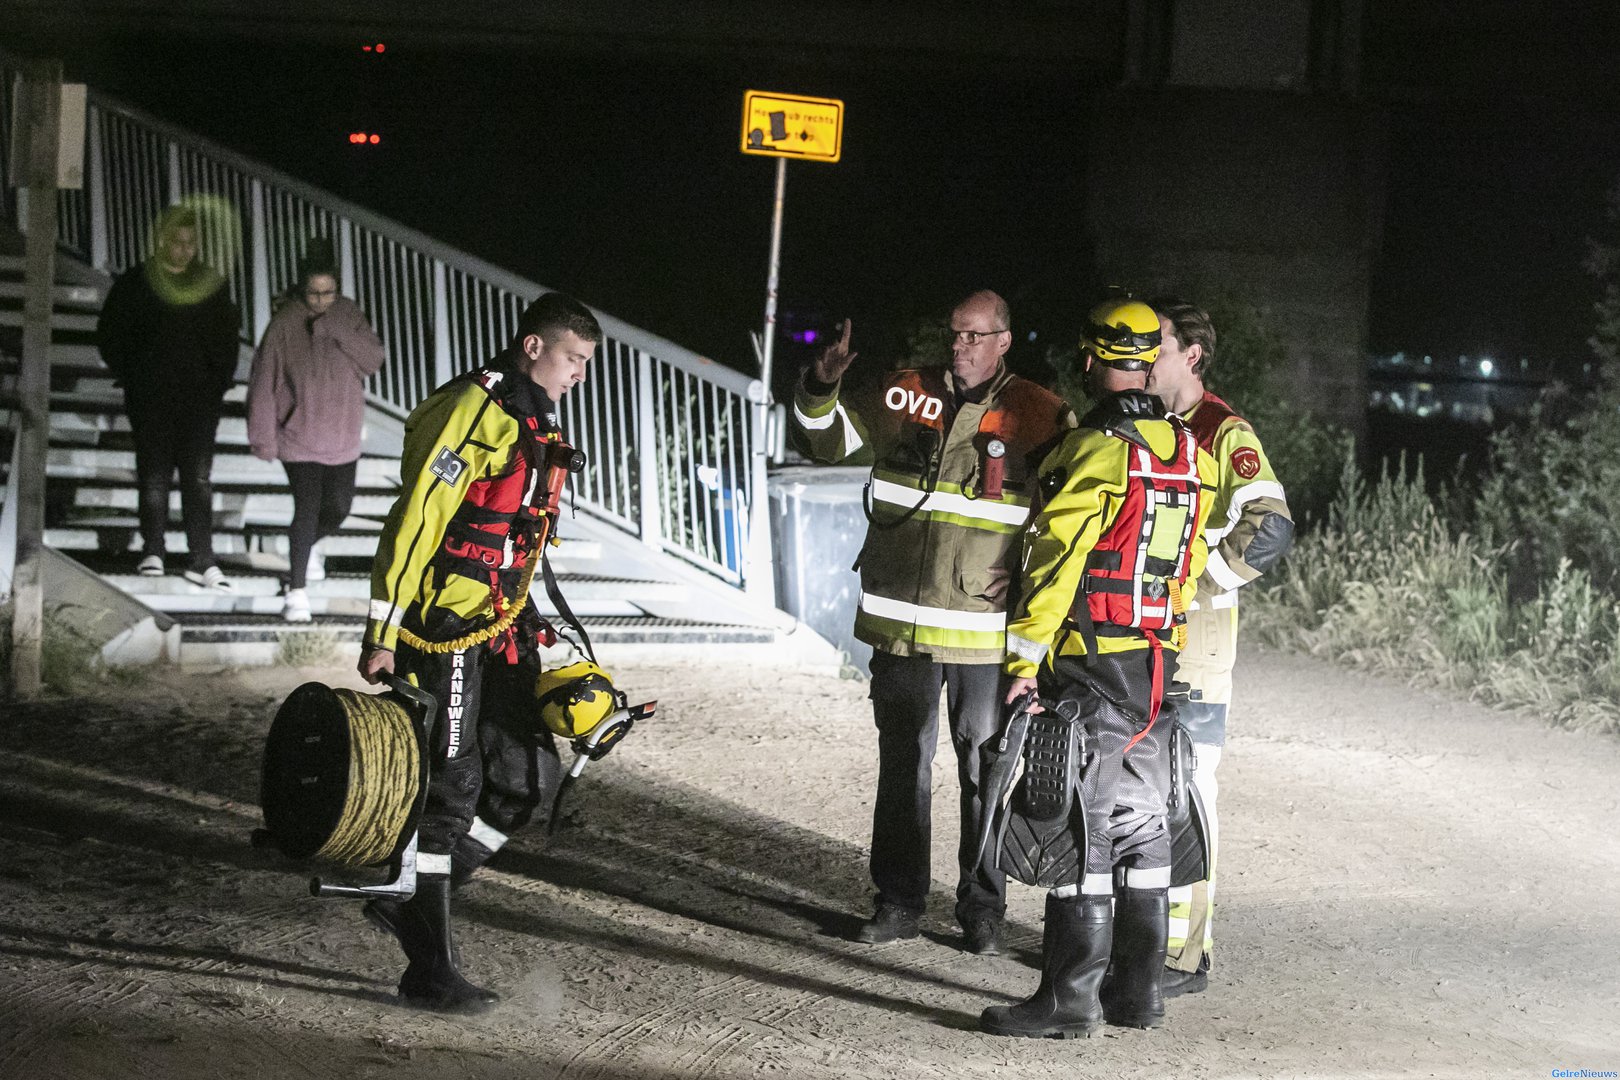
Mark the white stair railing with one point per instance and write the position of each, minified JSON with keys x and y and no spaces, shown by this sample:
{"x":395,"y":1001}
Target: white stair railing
{"x":677,"y":443}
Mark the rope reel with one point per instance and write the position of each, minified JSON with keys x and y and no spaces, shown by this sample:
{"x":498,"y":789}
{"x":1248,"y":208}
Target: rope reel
{"x":343,"y":776}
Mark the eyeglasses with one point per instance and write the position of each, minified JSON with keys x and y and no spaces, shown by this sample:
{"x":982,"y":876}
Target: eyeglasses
{"x":321,"y":294}
{"x":973,"y":337}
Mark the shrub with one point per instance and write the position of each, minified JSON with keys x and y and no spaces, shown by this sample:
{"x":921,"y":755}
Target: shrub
{"x":1387,"y":583}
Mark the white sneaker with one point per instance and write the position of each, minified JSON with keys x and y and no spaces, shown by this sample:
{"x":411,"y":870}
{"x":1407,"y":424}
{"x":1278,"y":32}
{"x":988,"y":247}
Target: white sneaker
{"x":211,"y":578}
{"x":295,"y":606}
{"x":316,"y":570}
{"x":151,"y":566}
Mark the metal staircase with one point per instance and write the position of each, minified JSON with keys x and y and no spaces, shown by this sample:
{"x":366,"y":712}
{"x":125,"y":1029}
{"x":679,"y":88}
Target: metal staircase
{"x":659,"y":551}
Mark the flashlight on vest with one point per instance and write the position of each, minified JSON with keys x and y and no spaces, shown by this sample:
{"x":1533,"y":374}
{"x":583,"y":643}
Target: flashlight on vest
{"x":561,"y":460}
{"x":992,"y":469}
{"x":559,"y":455}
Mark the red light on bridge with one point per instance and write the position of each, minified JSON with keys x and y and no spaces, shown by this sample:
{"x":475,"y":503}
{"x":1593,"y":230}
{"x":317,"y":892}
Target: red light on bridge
{"x":379,"y":48}
{"x":362,"y":138}
{"x":375,"y":139}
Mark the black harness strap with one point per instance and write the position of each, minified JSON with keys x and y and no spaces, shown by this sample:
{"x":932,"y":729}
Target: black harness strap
{"x":555,"y":595}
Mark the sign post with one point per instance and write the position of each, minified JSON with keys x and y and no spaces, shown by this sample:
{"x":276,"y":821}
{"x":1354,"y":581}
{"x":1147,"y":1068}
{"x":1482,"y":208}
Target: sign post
{"x":786,"y":126}
{"x":782,"y":126}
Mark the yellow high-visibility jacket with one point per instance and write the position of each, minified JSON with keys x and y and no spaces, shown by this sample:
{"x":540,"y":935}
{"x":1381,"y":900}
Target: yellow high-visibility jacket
{"x":1083,"y":484}
{"x":461,"y":439}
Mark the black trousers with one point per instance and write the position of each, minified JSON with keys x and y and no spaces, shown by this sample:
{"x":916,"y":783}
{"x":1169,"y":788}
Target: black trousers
{"x":1123,"y":790}
{"x":521,"y":766}
{"x":175,"y":436}
{"x":322,"y":495}
{"x":905,"y":705}
{"x":488,"y":754}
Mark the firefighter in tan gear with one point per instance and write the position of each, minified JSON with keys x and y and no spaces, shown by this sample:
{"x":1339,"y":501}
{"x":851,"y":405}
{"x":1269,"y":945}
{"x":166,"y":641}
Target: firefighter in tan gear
{"x":1249,"y":531}
{"x":954,"y":452}
{"x":483,"y":464}
{"x":1109,"y":566}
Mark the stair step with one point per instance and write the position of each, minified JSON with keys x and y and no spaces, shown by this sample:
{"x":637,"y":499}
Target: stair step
{"x":72,"y":321}
{"x":71,"y":357}
{"x":258,"y":593}
{"x":123,"y":548}
{"x":258,"y":640}
{"x":257,"y":506}
{"x":118,"y":466}
{"x":227,"y":543}
{"x":73,"y":296}
{"x":224,"y":521}
{"x":81,"y":421}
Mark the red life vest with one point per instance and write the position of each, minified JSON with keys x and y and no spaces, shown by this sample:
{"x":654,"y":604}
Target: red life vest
{"x":1141,"y":561}
{"x":503,"y":519}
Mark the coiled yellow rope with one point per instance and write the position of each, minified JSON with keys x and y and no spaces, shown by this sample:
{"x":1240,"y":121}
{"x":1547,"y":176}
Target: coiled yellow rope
{"x":495,"y":629}
{"x":384,"y":774}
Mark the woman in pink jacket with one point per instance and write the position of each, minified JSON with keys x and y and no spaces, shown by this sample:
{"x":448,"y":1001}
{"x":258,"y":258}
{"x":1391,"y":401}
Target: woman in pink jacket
{"x":306,"y":403}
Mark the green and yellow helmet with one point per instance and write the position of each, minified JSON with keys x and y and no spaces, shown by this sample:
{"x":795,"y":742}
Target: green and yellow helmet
{"x":1122,"y":332}
{"x":575,"y":698}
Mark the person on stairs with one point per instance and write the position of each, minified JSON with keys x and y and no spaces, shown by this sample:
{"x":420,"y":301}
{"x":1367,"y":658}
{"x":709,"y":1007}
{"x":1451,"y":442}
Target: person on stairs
{"x":306,"y":406}
{"x":170,"y":335}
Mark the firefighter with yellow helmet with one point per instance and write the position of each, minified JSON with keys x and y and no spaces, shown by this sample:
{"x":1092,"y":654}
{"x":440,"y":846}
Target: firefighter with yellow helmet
{"x":483,"y":466}
{"x":1249,"y":531}
{"x":1109,"y":565}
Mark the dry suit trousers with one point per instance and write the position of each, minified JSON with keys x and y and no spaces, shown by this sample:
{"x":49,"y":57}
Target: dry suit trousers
{"x":1206,"y":666}
{"x":490,"y":761}
{"x":1127,"y":766}
{"x":905,"y":695}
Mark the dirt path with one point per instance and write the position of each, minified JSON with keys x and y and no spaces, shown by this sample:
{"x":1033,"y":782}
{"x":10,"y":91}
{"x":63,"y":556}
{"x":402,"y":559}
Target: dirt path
{"x":1411,"y":887}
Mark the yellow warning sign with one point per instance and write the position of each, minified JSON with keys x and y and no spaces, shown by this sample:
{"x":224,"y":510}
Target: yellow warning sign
{"x":792,"y":126}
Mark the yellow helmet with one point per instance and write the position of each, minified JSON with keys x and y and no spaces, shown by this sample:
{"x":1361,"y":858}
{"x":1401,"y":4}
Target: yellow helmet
{"x":1122,"y":332}
{"x":575,"y":698}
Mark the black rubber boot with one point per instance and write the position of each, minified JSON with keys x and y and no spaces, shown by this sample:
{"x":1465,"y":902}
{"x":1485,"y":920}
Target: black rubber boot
{"x":1134,"y":996}
{"x":465,"y":859}
{"x":432,"y":980}
{"x":1074,"y":955}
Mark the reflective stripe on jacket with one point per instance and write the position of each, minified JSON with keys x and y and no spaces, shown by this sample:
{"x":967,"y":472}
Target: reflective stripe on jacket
{"x":1084,"y":484}
{"x":938,"y":547}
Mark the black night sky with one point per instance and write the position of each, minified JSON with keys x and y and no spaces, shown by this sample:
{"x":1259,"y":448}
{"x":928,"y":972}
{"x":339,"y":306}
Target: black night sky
{"x":616,"y":176}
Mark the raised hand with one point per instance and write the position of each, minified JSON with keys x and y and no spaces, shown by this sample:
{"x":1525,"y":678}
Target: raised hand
{"x":831,"y":363}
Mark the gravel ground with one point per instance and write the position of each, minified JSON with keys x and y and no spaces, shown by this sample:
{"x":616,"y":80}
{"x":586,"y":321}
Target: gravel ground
{"x":1411,"y":886}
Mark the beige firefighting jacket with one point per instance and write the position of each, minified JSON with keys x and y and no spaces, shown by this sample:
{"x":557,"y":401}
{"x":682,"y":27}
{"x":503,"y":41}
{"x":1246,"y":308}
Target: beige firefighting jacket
{"x":939,"y":551}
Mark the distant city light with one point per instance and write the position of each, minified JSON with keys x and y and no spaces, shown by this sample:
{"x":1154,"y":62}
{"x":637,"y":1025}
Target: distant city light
{"x":375,"y":139}
{"x":1486,"y":367}
{"x":378,"y":47}
{"x":1032,"y":335}
{"x":363,"y":138}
